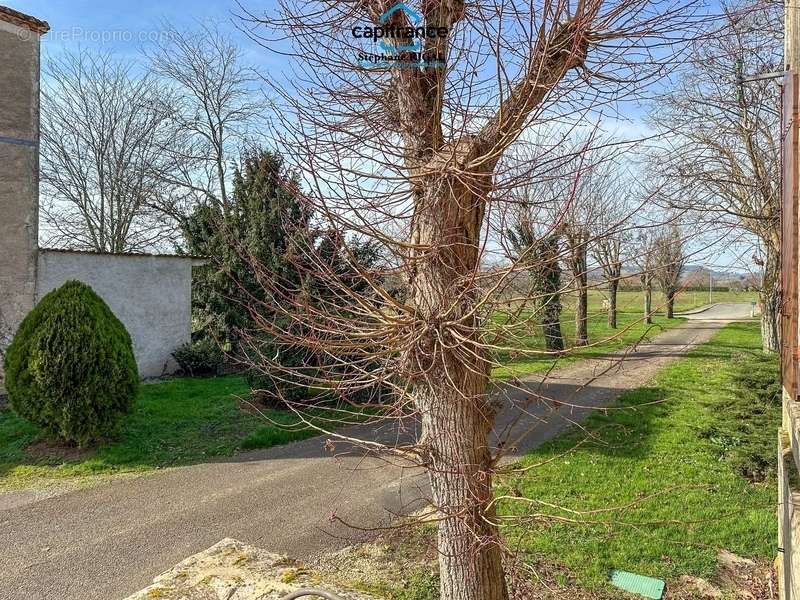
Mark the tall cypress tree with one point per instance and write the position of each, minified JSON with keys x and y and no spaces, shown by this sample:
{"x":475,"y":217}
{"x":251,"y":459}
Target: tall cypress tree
{"x":263,"y":224}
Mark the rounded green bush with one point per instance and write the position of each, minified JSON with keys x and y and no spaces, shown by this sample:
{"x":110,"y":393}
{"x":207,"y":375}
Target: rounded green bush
{"x":70,"y":368}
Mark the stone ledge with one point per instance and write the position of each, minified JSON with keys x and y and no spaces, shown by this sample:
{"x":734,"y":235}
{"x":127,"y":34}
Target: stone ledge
{"x":232,"y":570}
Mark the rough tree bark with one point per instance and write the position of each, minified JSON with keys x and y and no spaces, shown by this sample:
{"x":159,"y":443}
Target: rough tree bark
{"x":450,"y":387}
{"x":551,"y":326}
{"x":670,"y":308}
{"x":647,"y":286}
{"x":582,"y":314}
{"x":544,"y":256}
{"x":549,"y":288}
{"x":613,"y":286}
{"x":578,"y":266}
{"x":770,"y":299}
{"x":451,"y":184}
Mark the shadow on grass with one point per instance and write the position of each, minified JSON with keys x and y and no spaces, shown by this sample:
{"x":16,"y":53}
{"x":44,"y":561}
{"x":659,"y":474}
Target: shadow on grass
{"x":654,"y":494}
{"x":589,"y":417}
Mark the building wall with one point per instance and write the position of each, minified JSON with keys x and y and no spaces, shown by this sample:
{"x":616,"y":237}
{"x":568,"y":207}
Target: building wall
{"x":19,"y":180}
{"x":151,"y":295}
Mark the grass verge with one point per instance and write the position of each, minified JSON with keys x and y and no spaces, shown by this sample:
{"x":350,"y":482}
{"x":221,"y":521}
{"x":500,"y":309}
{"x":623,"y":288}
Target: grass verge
{"x":175,"y":422}
{"x":603,"y":339}
{"x":681,"y":492}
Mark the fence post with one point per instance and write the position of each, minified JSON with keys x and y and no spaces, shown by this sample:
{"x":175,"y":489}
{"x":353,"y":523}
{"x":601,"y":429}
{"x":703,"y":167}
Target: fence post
{"x":788,"y":560}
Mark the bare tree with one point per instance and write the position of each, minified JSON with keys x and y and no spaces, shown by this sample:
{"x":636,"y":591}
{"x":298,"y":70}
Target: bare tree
{"x":645,"y":261}
{"x":722,"y":150}
{"x":611,"y":234}
{"x":556,"y":199}
{"x":101,"y":134}
{"x":576,"y":239}
{"x":670,"y":260}
{"x":214,"y":110}
{"x":401,"y":141}
{"x":607,"y":252}
{"x":590,"y":221}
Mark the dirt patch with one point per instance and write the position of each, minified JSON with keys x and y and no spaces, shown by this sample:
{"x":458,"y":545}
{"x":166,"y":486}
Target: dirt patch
{"x":737,"y":578}
{"x":403,"y":566}
{"x":61,"y":450}
{"x":396,"y":569}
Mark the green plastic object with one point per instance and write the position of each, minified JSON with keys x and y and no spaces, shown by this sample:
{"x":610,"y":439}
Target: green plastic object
{"x":638,"y":584}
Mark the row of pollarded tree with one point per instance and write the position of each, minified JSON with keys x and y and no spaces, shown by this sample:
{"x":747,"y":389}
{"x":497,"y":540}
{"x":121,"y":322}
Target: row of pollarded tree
{"x":599,"y":231}
{"x":660,"y":260}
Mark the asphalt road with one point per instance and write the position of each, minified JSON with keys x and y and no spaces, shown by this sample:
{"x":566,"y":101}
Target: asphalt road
{"x":724,"y":311}
{"x":108,"y":541}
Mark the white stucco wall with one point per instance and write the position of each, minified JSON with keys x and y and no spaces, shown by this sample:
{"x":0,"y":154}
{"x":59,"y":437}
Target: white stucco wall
{"x":151,"y":295}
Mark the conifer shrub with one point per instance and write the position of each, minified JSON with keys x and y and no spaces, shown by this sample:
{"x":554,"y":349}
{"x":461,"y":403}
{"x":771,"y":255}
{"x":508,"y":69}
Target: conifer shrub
{"x":201,"y":357}
{"x":70,"y":368}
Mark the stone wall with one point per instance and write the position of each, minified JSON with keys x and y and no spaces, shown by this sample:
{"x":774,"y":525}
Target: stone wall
{"x":19,"y":166}
{"x":151,"y":295}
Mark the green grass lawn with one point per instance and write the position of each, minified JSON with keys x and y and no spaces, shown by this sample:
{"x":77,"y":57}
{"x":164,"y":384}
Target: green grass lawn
{"x":175,"y":422}
{"x":673,"y":461}
{"x":602,"y":339}
{"x":632,"y":300}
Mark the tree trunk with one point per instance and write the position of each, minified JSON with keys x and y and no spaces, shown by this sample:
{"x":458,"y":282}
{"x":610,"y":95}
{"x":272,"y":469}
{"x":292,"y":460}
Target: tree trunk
{"x":582,"y":308}
{"x":770,"y":299}
{"x":551,"y":326}
{"x":670,"y":303}
{"x":456,"y":425}
{"x":648,"y":302}
{"x":449,"y":374}
{"x":613,"y":285}
{"x":553,"y":339}
{"x":547,"y":276}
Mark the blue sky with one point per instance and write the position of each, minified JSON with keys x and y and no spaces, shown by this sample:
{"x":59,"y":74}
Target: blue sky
{"x":123,"y":27}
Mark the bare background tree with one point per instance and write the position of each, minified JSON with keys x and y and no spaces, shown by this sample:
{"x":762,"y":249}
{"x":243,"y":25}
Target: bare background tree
{"x":645,"y":262}
{"x":576,"y":241}
{"x":589,"y":223}
{"x":543,"y":253}
{"x":102,"y":130}
{"x":670,"y":260}
{"x":722,"y":151}
{"x":129,"y":150}
{"x":215,"y":108}
{"x":611,"y":233}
